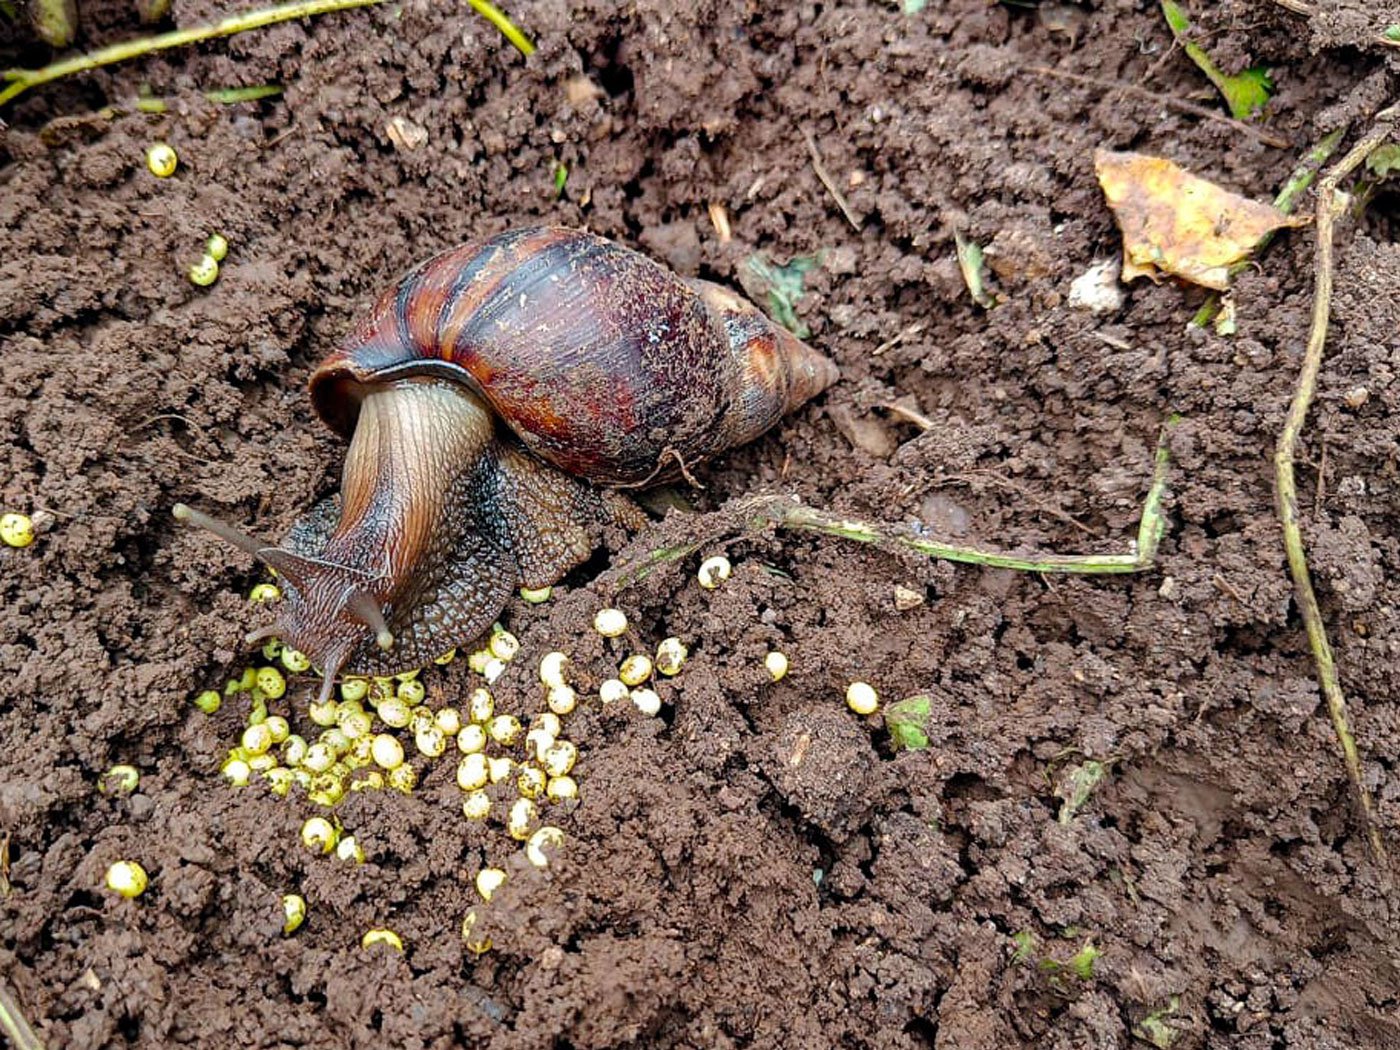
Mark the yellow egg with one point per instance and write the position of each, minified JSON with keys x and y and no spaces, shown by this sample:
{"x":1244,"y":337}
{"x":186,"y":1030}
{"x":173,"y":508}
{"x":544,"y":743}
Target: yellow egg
{"x":389,"y":937}
{"x":16,"y":530}
{"x":162,"y":160}
{"x":862,"y":698}
{"x":127,"y":878}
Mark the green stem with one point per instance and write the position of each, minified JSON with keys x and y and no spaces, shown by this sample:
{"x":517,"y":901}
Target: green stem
{"x":24,"y":79}
{"x":493,"y":14}
{"x":760,"y":512}
{"x":1330,"y":205}
{"x":1298,"y":182}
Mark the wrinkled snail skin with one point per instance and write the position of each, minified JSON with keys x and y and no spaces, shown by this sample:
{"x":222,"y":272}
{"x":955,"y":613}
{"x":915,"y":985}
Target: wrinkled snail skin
{"x":493,"y":400}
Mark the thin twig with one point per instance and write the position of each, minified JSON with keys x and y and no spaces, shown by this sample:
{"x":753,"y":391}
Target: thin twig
{"x":24,"y":79}
{"x":1330,"y":205}
{"x":828,"y":182}
{"x":13,"y":1023}
{"x":759,"y":513}
{"x":1166,"y":100}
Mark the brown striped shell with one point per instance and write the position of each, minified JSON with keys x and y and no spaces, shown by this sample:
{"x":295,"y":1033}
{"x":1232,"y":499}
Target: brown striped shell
{"x":602,"y":361}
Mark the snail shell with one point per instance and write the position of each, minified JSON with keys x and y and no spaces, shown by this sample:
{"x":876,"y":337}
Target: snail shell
{"x":493,"y":399}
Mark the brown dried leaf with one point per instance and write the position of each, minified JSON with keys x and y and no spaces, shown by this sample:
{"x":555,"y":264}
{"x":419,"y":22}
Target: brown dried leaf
{"x":1176,"y":223}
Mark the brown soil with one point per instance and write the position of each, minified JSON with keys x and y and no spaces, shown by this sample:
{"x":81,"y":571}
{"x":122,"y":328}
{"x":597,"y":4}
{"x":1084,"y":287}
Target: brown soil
{"x":758,"y":867}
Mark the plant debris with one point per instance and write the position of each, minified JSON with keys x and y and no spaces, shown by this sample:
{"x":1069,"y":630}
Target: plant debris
{"x":1177,"y":223}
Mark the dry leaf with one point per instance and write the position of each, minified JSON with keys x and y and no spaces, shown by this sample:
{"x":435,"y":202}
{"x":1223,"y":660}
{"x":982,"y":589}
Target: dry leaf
{"x":1176,"y":223}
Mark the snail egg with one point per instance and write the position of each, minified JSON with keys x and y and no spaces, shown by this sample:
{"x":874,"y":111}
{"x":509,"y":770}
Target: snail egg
{"x":504,"y":729}
{"x":521,"y":822}
{"x":777,"y":665}
{"x":612,"y":690}
{"x":216,"y":247}
{"x":295,"y":660}
{"x":354,"y":689}
{"x":386,"y":751}
{"x":498,"y":769}
{"x":471,"y":739}
{"x":348,"y":850}
{"x":402,"y":778}
{"x":558,"y":760}
{"x":635,"y":670}
{"x":294,"y":750}
{"x":411,"y":692}
{"x":237,"y":772}
{"x":319,"y":758}
{"x":862,"y":698}
{"x":476,"y":944}
{"x":552,"y":667}
{"x":536,"y":595}
{"x":538,"y":741}
{"x":394,"y":712}
{"x":495,"y":667}
{"x":209,"y":701}
{"x":204,"y":271}
{"x":278,"y":727}
{"x":481,"y":706}
{"x":293,"y":913}
{"x":449,"y":720}
{"x":127,"y":878}
{"x":547,"y":837}
{"x":389,"y":937}
{"x":561,"y":699}
{"x":560,"y":789}
{"x":257,"y":739}
{"x":549,"y":722}
{"x":271,"y":682}
{"x":16,"y":530}
{"x":477,"y":805}
{"x":264,"y":592}
{"x":610,"y":623}
{"x":714,"y":571}
{"x":162,"y":160}
{"x":488,"y":881}
{"x":319,"y":835}
{"x":530,"y":782}
{"x":670,"y":656}
{"x":324,"y":714}
{"x":504,"y":646}
{"x":430,"y":742}
{"x":356,"y":724}
{"x":473,"y":772}
{"x":648,"y":701}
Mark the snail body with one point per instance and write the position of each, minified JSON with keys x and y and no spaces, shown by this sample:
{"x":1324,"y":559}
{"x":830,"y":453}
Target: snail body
{"x":494,"y":401}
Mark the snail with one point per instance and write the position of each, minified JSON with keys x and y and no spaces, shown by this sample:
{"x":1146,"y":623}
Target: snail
{"x":496,"y":402}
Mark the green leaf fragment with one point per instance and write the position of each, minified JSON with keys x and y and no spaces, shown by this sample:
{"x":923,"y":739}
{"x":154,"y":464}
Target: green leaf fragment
{"x":1154,"y":1029}
{"x":1076,"y":787}
{"x":1384,"y":160}
{"x":907,"y":721}
{"x":970,"y":262}
{"x":561,"y":176}
{"x":1082,"y":963}
{"x":230,"y":96}
{"x":784,"y":285}
{"x":1245,"y":92}
{"x":1025,"y":946}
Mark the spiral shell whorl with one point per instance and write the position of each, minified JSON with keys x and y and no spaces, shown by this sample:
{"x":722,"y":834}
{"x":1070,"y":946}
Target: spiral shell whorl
{"x":603,"y":362}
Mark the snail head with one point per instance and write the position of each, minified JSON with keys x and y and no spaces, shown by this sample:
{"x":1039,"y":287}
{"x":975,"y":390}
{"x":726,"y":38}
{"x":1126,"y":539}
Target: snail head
{"x":328,"y":610}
